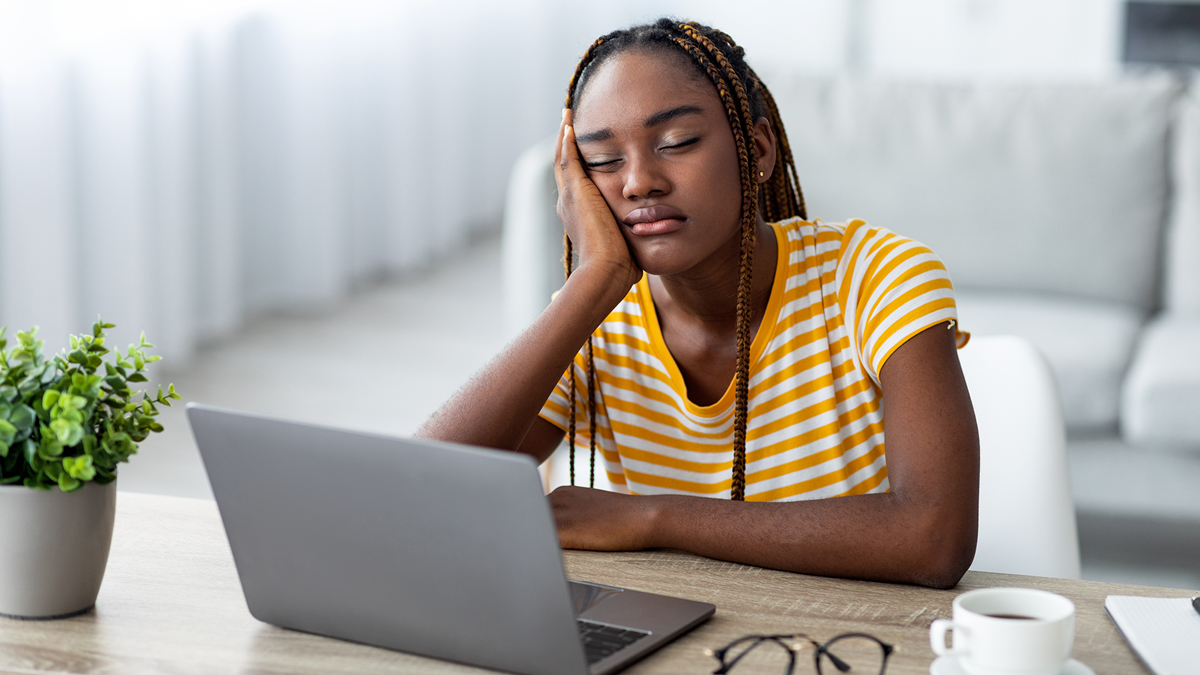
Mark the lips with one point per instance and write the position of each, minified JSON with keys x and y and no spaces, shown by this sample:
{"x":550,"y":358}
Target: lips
{"x":658,"y":219}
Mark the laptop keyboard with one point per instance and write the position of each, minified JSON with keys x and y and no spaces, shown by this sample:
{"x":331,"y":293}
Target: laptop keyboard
{"x":601,"y":640}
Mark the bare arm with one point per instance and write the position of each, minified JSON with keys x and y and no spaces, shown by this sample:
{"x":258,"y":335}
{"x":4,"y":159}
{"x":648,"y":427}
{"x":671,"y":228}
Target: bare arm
{"x":499,"y":406}
{"x":923,"y":531}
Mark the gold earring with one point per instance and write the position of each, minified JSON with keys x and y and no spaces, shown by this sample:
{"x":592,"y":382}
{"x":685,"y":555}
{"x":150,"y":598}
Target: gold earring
{"x":761,"y":174}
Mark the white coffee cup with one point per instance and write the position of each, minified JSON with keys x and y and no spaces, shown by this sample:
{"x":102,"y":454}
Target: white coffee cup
{"x":990,"y":639}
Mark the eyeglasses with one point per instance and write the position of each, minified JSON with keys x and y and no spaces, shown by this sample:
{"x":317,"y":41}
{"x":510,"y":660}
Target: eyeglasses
{"x":852,"y":653}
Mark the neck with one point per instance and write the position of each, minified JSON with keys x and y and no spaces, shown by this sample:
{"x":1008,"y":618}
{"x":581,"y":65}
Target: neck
{"x":708,"y":292}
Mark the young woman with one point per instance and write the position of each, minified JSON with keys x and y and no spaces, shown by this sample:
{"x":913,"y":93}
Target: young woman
{"x":711,"y":351}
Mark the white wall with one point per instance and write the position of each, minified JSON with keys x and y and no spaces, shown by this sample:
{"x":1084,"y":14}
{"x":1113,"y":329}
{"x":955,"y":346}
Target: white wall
{"x":995,"y":39}
{"x":925,"y":39}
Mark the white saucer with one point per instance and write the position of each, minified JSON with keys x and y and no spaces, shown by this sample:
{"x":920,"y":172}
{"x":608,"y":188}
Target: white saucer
{"x":949,"y":665}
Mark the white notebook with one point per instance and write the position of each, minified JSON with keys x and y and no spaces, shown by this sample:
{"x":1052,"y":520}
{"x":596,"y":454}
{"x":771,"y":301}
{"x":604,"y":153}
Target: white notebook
{"x":1165,"y":632}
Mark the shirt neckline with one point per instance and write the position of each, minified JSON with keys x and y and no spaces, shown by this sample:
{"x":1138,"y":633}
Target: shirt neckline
{"x":766,"y":330}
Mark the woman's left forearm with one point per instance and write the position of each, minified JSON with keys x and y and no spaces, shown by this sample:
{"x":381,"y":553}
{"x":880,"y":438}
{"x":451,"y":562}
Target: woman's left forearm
{"x":882,"y":537}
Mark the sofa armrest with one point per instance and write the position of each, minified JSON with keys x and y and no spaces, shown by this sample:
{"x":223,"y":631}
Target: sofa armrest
{"x":1181,"y":274}
{"x":1161,"y":395}
{"x":532,"y":238}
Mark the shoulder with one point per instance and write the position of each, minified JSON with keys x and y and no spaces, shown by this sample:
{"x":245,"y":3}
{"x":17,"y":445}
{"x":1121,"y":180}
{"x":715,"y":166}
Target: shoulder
{"x":854,"y":240}
{"x":854,"y":248}
{"x":870,"y":253}
{"x":863,"y":240}
{"x":802,"y":234}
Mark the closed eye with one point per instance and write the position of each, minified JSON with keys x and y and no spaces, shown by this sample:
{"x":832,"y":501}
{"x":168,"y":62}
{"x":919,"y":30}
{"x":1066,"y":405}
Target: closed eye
{"x":596,"y":165}
{"x":609,"y":162}
{"x":683,"y":144}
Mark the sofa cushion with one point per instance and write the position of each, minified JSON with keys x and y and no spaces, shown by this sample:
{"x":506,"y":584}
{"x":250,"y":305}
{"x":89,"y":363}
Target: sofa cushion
{"x":1088,"y":344}
{"x":1161,"y":399}
{"x":1040,"y":188}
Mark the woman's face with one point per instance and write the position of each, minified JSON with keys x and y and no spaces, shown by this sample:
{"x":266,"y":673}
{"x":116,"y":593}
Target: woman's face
{"x":655,"y":140}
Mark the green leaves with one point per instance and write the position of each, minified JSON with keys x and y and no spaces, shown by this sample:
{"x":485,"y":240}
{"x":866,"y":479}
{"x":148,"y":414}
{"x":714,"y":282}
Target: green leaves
{"x":79,"y":467}
{"x":67,"y":432}
{"x":62,"y":422}
{"x":22,"y":417}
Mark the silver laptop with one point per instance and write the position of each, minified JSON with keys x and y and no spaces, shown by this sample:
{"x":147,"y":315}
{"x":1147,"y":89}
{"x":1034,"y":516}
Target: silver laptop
{"x":432,"y":548}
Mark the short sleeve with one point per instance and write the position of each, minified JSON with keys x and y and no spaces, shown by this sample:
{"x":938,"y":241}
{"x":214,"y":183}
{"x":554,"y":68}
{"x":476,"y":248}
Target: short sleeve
{"x":890,"y":288}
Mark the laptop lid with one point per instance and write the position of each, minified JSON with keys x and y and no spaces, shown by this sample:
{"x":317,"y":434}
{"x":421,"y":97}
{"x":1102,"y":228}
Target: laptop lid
{"x":433,"y":548}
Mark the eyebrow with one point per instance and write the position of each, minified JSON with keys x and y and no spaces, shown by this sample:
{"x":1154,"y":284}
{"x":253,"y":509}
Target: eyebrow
{"x":651,"y":121}
{"x":668,"y":115}
{"x":602,"y":135}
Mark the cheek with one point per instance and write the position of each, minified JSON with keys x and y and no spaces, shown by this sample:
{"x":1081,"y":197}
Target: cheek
{"x":720,"y":187}
{"x":731,"y":188}
{"x":611,"y":186}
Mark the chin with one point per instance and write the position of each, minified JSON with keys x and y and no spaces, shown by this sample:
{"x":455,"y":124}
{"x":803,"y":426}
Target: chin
{"x":670,"y":255}
{"x":662,"y":263}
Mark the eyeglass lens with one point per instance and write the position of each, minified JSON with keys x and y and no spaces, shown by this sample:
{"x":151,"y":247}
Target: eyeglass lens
{"x":787,"y":654}
{"x":759,"y":654}
{"x":853,"y":655}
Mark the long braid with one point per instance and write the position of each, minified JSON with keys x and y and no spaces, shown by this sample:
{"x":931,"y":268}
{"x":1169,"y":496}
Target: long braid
{"x":745,"y":99}
{"x":591,"y":394}
{"x":591,"y":391}
{"x":567,"y":253}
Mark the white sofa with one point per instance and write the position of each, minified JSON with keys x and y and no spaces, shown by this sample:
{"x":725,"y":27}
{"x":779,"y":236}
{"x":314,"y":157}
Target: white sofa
{"x":1068,"y":214}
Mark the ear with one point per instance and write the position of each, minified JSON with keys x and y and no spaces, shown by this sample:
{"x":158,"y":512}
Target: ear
{"x":764,"y":150}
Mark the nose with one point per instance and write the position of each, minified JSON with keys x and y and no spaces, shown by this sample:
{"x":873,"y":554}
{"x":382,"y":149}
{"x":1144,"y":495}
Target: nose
{"x":644,"y":178}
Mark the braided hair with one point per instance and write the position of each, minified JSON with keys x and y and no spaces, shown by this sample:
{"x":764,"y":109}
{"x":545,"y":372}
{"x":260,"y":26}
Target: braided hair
{"x":719,"y":59}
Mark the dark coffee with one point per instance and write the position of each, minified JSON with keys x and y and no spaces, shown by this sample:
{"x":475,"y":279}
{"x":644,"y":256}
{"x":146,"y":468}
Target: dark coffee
{"x":1012,"y":616}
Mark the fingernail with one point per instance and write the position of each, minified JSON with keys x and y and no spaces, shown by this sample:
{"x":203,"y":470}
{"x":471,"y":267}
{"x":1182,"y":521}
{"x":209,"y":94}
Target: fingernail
{"x":564,"y":115}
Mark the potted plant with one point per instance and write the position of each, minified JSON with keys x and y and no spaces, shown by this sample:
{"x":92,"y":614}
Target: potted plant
{"x":64,"y":427}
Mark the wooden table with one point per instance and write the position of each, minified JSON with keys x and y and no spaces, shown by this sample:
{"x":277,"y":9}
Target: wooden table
{"x":171,"y":603}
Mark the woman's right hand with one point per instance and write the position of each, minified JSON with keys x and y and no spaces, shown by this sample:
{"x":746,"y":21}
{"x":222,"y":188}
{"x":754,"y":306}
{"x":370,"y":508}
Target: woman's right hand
{"x":589,"y":222}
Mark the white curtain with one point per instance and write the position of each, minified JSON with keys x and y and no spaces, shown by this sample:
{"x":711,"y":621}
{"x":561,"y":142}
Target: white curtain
{"x":178,"y":168}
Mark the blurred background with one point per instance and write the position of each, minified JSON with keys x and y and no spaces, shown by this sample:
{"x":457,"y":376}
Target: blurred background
{"x":300,"y":203}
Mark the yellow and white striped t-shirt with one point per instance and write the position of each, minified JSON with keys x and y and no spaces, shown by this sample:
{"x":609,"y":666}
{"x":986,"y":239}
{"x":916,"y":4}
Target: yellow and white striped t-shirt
{"x":844,"y":298}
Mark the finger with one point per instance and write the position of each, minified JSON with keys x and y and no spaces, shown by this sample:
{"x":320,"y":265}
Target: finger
{"x":558,"y":151}
{"x":572,"y":165}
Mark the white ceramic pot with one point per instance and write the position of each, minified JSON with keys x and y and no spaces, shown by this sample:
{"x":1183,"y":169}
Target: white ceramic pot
{"x":55,"y":549}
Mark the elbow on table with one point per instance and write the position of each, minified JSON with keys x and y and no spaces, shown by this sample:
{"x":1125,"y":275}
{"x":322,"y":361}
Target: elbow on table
{"x":943,"y":553}
{"x":943,"y":573}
